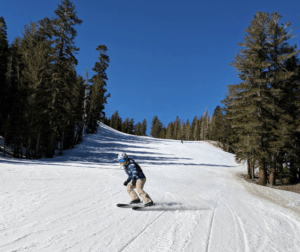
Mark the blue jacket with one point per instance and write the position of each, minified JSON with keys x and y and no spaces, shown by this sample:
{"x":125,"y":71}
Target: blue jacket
{"x":133,"y":171}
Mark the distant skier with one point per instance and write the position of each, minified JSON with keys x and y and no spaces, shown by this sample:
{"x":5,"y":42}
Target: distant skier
{"x":136,"y":179}
{"x":181,"y":139}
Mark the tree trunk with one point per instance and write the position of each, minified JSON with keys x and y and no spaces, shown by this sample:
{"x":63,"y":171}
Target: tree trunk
{"x":28,"y":148}
{"x":50,"y":145}
{"x":37,"y":146}
{"x":4,"y":145}
{"x":262,"y":173}
{"x":272,"y":171}
{"x":272,"y":178}
{"x":252,"y":169}
{"x":280,"y":171}
{"x":61,"y":143}
{"x":21,"y":147}
{"x":293,"y":171}
{"x":73,"y":136}
{"x":248,"y":169}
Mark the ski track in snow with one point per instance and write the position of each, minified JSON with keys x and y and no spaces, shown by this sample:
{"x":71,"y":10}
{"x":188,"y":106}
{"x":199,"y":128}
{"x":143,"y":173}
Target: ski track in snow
{"x":69,"y":203}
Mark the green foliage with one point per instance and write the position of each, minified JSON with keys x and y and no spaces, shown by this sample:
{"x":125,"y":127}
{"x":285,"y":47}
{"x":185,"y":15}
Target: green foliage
{"x":5,"y":101}
{"x":43,"y":98}
{"x":156,"y":127}
{"x":257,"y":107}
{"x":98,"y":97}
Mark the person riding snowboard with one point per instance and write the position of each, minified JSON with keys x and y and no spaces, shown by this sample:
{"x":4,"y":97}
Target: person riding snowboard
{"x":136,"y":179}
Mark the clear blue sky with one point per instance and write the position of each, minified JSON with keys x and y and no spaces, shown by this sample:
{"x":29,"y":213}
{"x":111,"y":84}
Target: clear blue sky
{"x":168,"y":57}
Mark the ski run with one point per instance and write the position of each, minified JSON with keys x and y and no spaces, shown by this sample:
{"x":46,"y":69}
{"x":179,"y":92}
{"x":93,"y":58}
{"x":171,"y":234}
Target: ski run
{"x":69,"y":203}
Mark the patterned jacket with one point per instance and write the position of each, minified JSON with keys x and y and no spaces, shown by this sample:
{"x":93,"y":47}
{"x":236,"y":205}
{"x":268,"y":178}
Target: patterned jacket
{"x":133,"y":171}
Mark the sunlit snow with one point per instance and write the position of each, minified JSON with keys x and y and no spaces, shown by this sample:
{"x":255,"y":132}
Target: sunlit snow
{"x":69,"y":203}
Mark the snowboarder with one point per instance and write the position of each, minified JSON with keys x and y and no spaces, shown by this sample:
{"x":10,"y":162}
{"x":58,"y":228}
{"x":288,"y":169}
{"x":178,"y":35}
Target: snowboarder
{"x":136,"y":179}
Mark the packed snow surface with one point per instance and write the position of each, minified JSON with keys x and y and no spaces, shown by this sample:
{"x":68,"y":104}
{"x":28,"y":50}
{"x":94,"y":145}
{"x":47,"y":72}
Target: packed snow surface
{"x":69,"y":203}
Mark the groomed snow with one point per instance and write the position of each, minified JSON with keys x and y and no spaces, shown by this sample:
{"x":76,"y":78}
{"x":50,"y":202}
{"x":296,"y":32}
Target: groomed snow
{"x":69,"y":203}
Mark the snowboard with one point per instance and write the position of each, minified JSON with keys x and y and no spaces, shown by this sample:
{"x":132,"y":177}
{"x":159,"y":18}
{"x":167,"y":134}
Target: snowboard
{"x":137,"y":207}
{"x":143,"y":208}
{"x":128,"y":205}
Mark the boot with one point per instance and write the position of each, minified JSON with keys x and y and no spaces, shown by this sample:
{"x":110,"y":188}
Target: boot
{"x":149,"y":204}
{"x":135,"y":201}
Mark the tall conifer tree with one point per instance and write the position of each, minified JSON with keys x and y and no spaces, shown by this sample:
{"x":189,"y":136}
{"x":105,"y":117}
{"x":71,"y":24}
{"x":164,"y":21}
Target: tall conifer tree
{"x":4,"y":86}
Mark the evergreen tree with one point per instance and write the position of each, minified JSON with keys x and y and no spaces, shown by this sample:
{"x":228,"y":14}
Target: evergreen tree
{"x":16,"y":97}
{"x":187,"y":130}
{"x":170,"y":131}
{"x":196,"y":128}
{"x":98,"y":96}
{"x":183,"y":130}
{"x":130,"y":129}
{"x":138,"y":129}
{"x":64,"y":46}
{"x":281,"y":77}
{"x":162,"y":133}
{"x":35,"y":82}
{"x":217,"y":124}
{"x":192,"y":128}
{"x":204,"y":124}
{"x":116,"y":121}
{"x":177,"y":132}
{"x":251,"y":103}
{"x":156,"y":127}
{"x":144,"y":128}
{"x":4,"y":86}
{"x":255,"y":103}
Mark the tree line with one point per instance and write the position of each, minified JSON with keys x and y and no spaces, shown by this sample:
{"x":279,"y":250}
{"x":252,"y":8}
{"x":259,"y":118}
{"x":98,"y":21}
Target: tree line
{"x":204,"y":128}
{"x":44,"y":104}
{"x":128,"y":126}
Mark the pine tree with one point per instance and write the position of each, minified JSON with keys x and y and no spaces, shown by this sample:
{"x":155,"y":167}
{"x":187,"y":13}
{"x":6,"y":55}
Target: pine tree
{"x":170,"y":131}
{"x":144,"y":128}
{"x":217,"y":124}
{"x":162,"y":133}
{"x":282,"y":70}
{"x":192,"y":129}
{"x":156,"y":127}
{"x":138,"y":129}
{"x":116,"y":121}
{"x":4,"y":86}
{"x":196,"y":132}
{"x":64,"y":34}
{"x":204,"y":123}
{"x":251,"y":103}
{"x":177,"y":132}
{"x":16,"y":97}
{"x":98,"y":96}
{"x":36,"y":80}
{"x":187,"y":130}
{"x":256,"y":103}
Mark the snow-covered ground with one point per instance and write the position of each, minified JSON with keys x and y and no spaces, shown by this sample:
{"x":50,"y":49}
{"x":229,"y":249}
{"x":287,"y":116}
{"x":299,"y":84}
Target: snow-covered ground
{"x":69,"y":203}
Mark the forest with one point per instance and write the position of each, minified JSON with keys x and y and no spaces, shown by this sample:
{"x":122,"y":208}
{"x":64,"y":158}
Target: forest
{"x":46,"y":106}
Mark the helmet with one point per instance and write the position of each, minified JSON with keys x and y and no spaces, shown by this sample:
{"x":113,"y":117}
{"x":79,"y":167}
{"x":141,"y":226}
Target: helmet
{"x":122,"y":155}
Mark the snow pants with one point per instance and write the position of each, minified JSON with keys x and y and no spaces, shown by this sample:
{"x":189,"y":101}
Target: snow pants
{"x":139,"y":187}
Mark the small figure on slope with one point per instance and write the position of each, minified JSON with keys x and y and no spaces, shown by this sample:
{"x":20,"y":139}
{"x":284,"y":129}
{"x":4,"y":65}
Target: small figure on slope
{"x":136,"y":180}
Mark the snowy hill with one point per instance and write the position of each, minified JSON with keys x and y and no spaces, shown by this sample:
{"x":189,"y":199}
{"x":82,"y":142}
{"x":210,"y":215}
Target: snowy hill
{"x":69,"y":203}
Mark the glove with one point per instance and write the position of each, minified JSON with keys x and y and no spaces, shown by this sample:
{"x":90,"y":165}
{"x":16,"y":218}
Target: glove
{"x":134,"y":181}
{"x":126,"y":183}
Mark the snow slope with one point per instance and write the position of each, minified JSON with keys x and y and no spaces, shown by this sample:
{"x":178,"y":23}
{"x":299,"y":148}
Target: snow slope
{"x":69,"y":203}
